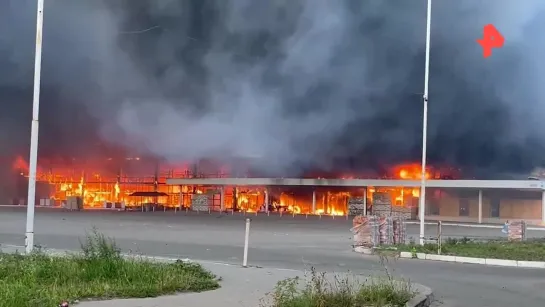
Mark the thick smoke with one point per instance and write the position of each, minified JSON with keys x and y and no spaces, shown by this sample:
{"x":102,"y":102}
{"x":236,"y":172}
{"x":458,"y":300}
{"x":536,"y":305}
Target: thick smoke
{"x":292,"y":84}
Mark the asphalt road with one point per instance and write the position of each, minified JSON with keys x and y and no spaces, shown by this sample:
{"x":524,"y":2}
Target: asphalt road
{"x":292,"y":243}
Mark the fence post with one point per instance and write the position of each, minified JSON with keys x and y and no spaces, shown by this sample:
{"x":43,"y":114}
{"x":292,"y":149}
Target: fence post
{"x":439,"y":236}
{"x":524,"y":226}
{"x":246,"y":242}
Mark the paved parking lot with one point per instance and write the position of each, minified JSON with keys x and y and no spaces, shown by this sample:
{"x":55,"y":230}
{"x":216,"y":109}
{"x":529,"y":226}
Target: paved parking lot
{"x":287,"y":242}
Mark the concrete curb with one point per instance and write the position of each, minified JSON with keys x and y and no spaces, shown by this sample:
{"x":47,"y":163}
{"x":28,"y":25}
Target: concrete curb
{"x":423,"y":298}
{"x":485,"y":261}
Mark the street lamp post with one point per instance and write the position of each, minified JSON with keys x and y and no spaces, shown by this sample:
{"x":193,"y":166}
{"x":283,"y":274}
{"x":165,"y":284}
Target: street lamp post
{"x":422,"y":204}
{"x":33,"y":160}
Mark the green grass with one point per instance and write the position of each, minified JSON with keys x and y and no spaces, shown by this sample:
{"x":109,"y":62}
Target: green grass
{"x":99,"y":272}
{"x":530,"y":250}
{"x":320,"y":291}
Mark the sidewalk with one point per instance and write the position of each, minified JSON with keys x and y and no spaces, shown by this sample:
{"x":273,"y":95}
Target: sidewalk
{"x":240,"y":287}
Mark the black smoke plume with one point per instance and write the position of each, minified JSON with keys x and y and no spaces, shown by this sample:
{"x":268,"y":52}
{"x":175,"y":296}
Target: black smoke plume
{"x":291,"y":84}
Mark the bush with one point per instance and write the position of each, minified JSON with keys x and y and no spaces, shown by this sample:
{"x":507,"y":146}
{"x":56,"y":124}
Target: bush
{"x":319,"y":291}
{"x":99,"y":272}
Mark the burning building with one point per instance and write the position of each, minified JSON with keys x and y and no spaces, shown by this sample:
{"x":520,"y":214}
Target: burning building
{"x":137,"y":182}
{"x":320,"y":200}
{"x":125,"y":180}
{"x":100,"y":181}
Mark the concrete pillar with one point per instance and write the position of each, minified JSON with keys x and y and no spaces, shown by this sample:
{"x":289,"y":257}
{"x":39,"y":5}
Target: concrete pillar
{"x":365,"y":201}
{"x":222,"y":198}
{"x":267,"y":200}
{"x":181,"y":200}
{"x":235,"y":199}
{"x":83,"y":186}
{"x":314,"y":201}
{"x":543,"y":207}
{"x":480,"y":206}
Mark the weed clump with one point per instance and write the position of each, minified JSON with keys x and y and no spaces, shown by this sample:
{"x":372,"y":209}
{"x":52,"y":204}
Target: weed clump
{"x":321,"y":290}
{"x":99,"y":271}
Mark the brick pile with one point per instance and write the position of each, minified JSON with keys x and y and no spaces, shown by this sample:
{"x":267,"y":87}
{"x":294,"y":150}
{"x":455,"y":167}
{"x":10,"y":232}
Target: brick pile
{"x":516,"y":231}
{"x":200,"y":202}
{"x":400,"y":230}
{"x":382,"y":204}
{"x":403,"y":212}
{"x":373,"y":231}
{"x":363,"y":229}
{"x":385,"y":230}
{"x":356,"y":206}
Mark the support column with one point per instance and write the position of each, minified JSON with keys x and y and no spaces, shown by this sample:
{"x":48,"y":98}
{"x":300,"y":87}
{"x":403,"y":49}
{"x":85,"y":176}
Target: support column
{"x":267,"y":200}
{"x":83,"y":183}
{"x":222,"y":198}
{"x":314,"y":201}
{"x":234,"y":205}
{"x":181,"y":200}
{"x":480,"y":206}
{"x":543,"y":207}
{"x":365,"y":201}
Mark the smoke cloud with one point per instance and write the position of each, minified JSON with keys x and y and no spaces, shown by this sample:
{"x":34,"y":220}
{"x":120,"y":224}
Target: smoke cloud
{"x":290,"y":84}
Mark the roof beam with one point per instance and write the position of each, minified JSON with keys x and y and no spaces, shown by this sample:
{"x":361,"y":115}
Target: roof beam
{"x":475,"y":184}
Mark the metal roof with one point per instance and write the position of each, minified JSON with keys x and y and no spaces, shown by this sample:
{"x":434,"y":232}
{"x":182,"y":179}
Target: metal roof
{"x":476,"y":184}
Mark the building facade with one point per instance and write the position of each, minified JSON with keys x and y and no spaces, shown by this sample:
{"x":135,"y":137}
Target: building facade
{"x":478,"y":201}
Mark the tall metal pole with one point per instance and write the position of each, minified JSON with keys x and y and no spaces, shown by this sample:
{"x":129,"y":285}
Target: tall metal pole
{"x":422,"y":205}
{"x":33,"y":160}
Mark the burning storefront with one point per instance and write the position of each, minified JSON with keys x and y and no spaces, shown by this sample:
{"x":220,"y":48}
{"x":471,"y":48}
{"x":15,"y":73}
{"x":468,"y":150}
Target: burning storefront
{"x":142,"y":182}
{"x":99,"y":182}
{"x":331,"y":200}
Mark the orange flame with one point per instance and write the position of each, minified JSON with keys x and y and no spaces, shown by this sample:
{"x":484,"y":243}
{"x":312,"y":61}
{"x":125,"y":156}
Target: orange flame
{"x":117,"y":190}
{"x":410,"y":171}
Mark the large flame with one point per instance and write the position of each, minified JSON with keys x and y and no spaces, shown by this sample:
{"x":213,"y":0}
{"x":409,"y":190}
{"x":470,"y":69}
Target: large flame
{"x":328,"y":202}
{"x":97,"y":183}
{"x":410,"y":172}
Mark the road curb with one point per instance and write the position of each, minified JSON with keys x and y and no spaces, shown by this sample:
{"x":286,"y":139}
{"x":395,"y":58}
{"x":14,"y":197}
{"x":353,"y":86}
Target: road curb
{"x":423,"y":298}
{"x":472,"y":260}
